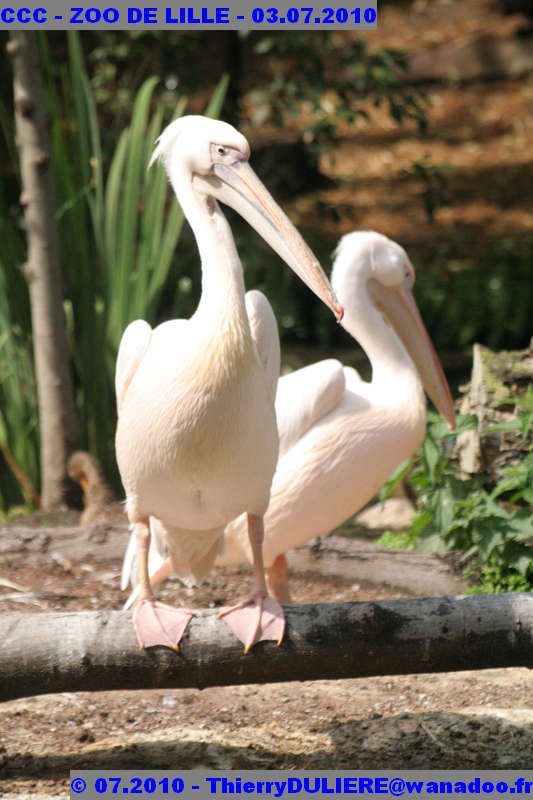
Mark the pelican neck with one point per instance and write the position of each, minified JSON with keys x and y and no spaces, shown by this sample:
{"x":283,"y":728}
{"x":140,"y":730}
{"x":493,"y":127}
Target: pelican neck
{"x":387,"y":355}
{"x":222,"y":277}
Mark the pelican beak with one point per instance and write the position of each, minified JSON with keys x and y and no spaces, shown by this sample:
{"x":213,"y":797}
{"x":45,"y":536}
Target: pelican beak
{"x":238,"y":186}
{"x":399,"y":307}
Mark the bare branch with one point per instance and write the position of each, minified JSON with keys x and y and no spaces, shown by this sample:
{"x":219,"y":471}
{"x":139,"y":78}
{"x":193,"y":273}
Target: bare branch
{"x":95,"y":651}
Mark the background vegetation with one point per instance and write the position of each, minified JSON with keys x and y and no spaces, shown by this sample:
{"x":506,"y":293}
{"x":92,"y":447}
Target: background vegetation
{"x":486,"y":517}
{"x":299,"y":97}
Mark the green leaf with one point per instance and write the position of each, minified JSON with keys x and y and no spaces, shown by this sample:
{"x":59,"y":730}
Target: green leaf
{"x":526,"y":420}
{"x":489,"y":535}
{"x":214,"y":107}
{"x":420,"y":521}
{"x":521,"y":525}
{"x":508,"y":425}
{"x":396,"y":478}
{"x":431,"y":543}
{"x":431,"y":452}
{"x":445,"y":501}
{"x":518,"y":557}
{"x":466,"y":422}
{"x":134,"y":169}
{"x":113,"y":193}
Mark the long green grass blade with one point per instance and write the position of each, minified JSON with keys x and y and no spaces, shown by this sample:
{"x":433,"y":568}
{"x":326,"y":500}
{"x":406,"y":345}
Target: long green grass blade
{"x":164,"y":236}
{"x":112,"y":203}
{"x":151,"y":217}
{"x":129,"y":217}
{"x":214,"y":107}
{"x":91,"y":143}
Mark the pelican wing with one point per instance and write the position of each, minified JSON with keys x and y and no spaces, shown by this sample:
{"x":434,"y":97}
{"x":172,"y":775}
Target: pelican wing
{"x":305,"y":396}
{"x":133,"y":346}
{"x":264,"y":331}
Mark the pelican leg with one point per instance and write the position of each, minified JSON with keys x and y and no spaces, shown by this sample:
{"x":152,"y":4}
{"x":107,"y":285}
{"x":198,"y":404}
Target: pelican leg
{"x":277,"y":580}
{"x":159,"y":576}
{"x":259,"y":617}
{"x":155,"y":623}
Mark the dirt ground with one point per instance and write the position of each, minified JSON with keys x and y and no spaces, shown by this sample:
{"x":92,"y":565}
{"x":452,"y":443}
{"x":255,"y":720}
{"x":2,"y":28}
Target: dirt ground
{"x":461,"y":720}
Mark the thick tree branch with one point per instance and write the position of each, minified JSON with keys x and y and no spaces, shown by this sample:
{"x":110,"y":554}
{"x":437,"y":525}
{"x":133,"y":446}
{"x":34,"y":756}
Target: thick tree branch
{"x":95,"y":651}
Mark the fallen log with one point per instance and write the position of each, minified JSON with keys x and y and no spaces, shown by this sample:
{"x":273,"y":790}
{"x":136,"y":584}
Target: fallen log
{"x":96,"y":543}
{"x":352,"y":558}
{"x":97,"y":650}
{"x":359,"y":559}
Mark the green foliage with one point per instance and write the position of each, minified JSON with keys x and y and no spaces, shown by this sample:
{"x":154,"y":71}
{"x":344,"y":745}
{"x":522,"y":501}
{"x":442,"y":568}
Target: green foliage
{"x":118,"y":237}
{"x":12,"y":513}
{"x":491,"y":524}
{"x":522,"y":423}
{"x":479,"y":298}
{"x":397,"y":539}
{"x":18,"y":407}
{"x":328,"y":81}
{"x":333,"y":83}
{"x":492,"y":579}
{"x":326,"y":74}
{"x":434,"y":179}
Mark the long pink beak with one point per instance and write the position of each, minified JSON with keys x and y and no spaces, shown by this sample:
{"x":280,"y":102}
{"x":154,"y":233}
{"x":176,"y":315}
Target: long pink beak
{"x":238,"y":186}
{"x":399,"y":307}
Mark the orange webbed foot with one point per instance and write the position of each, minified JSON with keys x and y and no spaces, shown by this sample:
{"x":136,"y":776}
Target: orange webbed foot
{"x":258,"y":618}
{"x":156,"y":623}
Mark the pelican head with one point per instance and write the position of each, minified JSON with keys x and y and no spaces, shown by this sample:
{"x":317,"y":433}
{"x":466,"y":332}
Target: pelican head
{"x":200,"y":143}
{"x":389,"y":275}
{"x":214,"y":157}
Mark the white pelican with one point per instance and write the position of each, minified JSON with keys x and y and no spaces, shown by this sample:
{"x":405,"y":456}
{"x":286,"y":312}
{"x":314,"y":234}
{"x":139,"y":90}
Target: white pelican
{"x":341,"y":437}
{"x":196,"y":440}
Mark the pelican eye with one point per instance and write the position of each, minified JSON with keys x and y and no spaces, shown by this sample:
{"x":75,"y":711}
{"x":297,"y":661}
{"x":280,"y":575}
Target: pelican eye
{"x":221,"y":150}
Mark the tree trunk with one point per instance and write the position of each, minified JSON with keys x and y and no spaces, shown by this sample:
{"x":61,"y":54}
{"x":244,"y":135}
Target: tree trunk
{"x":97,"y":650}
{"x":57,"y":414}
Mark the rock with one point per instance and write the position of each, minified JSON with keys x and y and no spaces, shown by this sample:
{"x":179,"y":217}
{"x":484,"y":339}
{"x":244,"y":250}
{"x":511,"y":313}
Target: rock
{"x":394,"y":514}
{"x":496,"y":377}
